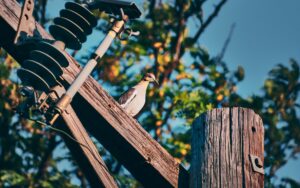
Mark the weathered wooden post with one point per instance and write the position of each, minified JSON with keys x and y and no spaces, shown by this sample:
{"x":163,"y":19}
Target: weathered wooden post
{"x":227,"y":149}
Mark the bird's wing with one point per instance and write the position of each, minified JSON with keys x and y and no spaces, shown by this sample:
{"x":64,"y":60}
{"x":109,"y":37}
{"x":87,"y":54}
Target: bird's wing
{"x":127,"y":97}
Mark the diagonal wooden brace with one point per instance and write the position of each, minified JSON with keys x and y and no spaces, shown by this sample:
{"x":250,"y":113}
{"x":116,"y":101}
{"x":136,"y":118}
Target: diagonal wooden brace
{"x":119,"y":133}
{"x":85,"y":153}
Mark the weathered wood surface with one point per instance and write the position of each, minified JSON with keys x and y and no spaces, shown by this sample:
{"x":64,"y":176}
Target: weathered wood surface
{"x":91,"y":164}
{"x":85,"y":151}
{"x":96,"y":172}
{"x":122,"y":135}
{"x":222,"y":140}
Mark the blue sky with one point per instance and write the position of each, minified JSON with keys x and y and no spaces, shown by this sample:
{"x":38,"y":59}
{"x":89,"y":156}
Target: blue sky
{"x":267,"y":32}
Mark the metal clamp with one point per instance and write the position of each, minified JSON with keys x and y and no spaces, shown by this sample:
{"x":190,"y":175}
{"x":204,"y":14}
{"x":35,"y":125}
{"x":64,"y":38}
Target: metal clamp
{"x":257,"y":164}
{"x":27,"y":23}
{"x":117,"y":29}
{"x":127,"y":33}
{"x":70,"y":30}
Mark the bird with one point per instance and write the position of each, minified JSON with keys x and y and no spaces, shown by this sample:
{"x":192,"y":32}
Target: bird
{"x":133,"y":100}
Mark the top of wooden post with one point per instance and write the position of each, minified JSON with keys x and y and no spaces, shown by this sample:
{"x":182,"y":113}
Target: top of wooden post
{"x":227,"y":149}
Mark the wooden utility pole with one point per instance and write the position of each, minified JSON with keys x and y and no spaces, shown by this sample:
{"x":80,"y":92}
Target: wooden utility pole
{"x":100,"y":114}
{"x":227,"y":149}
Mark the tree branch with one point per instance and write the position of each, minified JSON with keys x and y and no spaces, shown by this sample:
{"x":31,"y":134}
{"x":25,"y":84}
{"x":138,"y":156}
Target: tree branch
{"x":45,"y":159}
{"x":82,"y":179}
{"x":208,"y":21}
{"x":227,"y":41}
{"x":178,"y":44}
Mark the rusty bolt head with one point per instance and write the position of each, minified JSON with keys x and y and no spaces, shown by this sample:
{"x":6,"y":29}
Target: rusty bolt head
{"x":258,"y":163}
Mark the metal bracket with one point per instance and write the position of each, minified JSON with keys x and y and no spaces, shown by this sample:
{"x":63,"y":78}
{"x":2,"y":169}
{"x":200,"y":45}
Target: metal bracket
{"x":123,"y":33}
{"x":39,"y":102}
{"x":26,"y":24}
{"x":257,"y":164}
{"x":113,"y":7}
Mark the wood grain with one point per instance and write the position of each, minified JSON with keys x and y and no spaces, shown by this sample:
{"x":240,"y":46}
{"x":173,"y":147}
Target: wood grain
{"x":85,"y":151}
{"x":222,"y":140}
{"x":119,"y":133}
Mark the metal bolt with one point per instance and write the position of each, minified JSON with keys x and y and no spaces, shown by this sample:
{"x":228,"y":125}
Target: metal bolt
{"x":258,"y":163}
{"x":111,"y":20}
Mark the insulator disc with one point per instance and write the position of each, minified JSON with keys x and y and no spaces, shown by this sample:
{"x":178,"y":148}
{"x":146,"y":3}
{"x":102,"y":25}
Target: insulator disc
{"x":53,"y":52}
{"x":42,"y":71}
{"x":29,"y":78}
{"x":25,"y":48}
{"x":65,"y":35}
{"x":76,"y":30}
{"x":47,"y":61}
{"x":78,"y":19}
{"x":86,"y":13}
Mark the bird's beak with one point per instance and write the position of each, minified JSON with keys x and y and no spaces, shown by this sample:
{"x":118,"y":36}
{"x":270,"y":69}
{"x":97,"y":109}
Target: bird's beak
{"x":157,"y":83}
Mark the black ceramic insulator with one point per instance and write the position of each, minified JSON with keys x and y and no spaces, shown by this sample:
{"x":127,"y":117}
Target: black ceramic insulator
{"x":30,"y":78}
{"x":41,"y":70}
{"x":44,"y":65}
{"x":73,"y":25}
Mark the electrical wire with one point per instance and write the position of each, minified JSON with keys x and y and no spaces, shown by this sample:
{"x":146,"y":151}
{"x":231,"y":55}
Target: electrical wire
{"x":71,"y":138}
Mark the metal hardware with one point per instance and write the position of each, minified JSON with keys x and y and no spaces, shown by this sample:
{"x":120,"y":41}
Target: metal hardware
{"x":39,"y":103}
{"x":29,"y":96}
{"x":117,"y":29}
{"x":26,"y":25}
{"x":43,"y":68}
{"x":256,"y":164}
{"x":127,"y":33}
{"x":113,"y":7}
{"x":62,"y":104}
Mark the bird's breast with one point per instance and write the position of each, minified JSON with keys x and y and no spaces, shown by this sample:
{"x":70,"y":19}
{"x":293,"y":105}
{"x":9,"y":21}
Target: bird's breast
{"x":136,"y":105}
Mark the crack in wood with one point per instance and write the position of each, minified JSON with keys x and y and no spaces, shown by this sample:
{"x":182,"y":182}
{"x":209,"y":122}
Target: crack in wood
{"x":224,"y":162}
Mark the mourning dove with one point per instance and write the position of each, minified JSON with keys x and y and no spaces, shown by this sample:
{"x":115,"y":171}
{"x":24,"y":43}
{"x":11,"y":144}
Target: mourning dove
{"x":134,"y":99}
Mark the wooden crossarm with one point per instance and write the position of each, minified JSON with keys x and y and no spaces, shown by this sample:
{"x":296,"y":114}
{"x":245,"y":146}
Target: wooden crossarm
{"x":119,"y":133}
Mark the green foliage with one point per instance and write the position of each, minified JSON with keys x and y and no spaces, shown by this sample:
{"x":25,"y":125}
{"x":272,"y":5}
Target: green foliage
{"x":192,"y":82}
{"x":281,"y":96}
{"x":125,"y":181}
{"x":11,"y":178}
{"x":25,"y":148}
